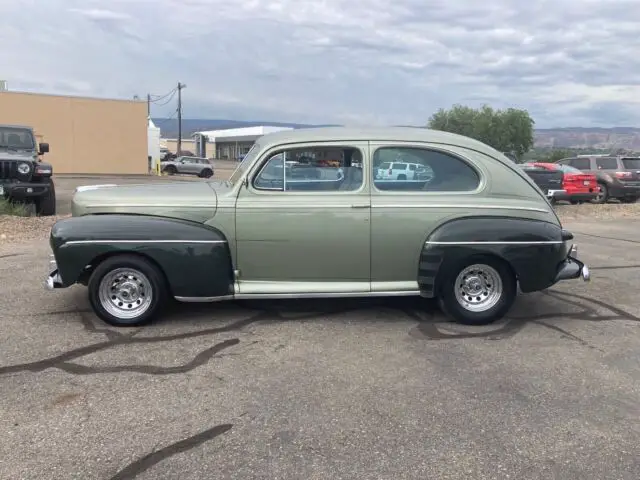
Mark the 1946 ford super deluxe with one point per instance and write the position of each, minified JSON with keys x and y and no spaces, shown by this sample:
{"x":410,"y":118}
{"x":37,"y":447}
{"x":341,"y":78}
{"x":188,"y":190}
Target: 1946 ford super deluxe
{"x":322,"y":212}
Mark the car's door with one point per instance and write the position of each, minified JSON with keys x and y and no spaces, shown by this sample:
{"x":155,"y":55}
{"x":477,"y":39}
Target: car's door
{"x":305,"y":228}
{"x":404,"y":212}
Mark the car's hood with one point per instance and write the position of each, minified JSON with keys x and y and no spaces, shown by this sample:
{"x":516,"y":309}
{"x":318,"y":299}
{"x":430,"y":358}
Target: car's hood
{"x":188,"y":200}
{"x":25,"y":155}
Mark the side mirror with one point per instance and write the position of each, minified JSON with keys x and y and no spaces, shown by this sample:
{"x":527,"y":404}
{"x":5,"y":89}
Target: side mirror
{"x":44,"y":148}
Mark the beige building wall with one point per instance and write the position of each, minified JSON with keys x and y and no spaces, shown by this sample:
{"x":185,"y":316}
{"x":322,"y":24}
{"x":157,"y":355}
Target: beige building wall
{"x":172,"y":144}
{"x":85,"y":135}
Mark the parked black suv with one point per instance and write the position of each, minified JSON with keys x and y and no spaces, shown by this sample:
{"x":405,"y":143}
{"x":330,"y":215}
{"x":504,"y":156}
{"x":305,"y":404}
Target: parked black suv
{"x":23,"y":176}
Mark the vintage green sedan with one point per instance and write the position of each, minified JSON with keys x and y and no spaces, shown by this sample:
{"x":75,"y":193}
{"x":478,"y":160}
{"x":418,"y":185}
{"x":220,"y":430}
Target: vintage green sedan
{"x":322,"y":212}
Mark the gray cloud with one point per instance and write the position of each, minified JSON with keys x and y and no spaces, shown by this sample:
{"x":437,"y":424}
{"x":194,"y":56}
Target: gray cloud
{"x":339,"y":61}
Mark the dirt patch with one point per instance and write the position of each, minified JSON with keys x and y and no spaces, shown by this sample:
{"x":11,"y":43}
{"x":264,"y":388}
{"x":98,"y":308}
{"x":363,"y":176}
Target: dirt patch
{"x":23,"y":229}
{"x":598,"y":212}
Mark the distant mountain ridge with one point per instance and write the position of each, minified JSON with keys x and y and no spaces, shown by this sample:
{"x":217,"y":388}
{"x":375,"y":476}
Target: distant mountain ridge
{"x":567,"y":137}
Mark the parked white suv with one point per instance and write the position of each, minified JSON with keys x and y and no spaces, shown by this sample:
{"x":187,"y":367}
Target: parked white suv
{"x":403,"y":171}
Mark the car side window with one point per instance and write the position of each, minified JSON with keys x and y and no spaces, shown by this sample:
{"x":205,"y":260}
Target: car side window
{"x":435,"y":171}
{"x":312,"y":169}
{"x":606,"y":163}
{"x":581,"y":163}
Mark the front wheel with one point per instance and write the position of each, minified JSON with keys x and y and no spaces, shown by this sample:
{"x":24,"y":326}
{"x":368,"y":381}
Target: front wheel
{"x":46,"y":205}
{"x":207,"y":173}
{"x":127,"y":291}
{"x":479,"y":291}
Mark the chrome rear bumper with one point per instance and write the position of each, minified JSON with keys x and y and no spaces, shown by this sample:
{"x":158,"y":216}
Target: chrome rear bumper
{"x":573,"y":268}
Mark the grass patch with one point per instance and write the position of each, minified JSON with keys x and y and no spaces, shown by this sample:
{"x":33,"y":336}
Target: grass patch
{"x":14,"y":209}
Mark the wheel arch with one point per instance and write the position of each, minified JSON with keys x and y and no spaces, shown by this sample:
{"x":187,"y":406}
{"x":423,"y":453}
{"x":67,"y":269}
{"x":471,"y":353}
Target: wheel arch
{"x":194,"y":258}
{"x":531,"y":248}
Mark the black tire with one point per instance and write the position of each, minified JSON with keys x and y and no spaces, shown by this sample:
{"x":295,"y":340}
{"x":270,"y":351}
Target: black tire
{"x":402,"y":176}
{"x":603,"y":197}
{"x":170,"y":170}
{"x":453,"y":308}
{"x":629,"y":200}
{"x":206,"y":173}
{"x":46,"y":205}
{"x":155,"y":280}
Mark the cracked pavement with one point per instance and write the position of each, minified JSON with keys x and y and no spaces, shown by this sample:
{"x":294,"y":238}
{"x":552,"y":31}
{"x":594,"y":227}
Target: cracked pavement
{"x":326,"y":389}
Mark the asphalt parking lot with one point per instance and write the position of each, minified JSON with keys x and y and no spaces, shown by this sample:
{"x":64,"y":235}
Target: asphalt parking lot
{"x":358,"y":389}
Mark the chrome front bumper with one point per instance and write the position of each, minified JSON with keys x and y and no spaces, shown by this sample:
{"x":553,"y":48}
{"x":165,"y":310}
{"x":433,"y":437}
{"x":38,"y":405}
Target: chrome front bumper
{"x":53,"y":280}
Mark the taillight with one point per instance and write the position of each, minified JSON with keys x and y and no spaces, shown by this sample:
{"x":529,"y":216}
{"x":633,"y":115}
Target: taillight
{"x":623,"y":174}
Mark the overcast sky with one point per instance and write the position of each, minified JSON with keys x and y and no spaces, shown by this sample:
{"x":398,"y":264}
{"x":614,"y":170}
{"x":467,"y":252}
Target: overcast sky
{"x":569,"y":62}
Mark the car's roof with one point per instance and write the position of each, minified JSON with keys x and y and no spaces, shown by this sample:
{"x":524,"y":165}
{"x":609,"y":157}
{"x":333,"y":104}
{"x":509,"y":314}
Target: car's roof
{"x":405,"y":134}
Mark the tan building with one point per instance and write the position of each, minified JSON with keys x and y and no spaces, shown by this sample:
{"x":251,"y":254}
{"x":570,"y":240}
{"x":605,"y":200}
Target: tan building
{"x":86,"y":135}
{"x":172,"y":144}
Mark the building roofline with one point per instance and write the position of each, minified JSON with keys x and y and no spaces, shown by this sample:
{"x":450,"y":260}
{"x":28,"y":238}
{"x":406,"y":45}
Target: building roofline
{"x":80,"y":97}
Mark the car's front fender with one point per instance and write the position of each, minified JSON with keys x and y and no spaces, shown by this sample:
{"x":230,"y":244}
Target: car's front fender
{"x":194,"y":257}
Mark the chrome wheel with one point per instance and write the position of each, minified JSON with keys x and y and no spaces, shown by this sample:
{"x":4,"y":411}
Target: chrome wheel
{"x":125,"y":293}
{"x":478,"y":288}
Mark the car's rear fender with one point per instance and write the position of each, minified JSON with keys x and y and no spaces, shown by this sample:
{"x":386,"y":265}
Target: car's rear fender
{"x":194,"y":257}
{"x":532,"y":248}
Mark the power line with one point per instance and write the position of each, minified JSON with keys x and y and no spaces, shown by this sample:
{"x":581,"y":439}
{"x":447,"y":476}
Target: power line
{"x":173,"y":94}
{"x":161,"y":97}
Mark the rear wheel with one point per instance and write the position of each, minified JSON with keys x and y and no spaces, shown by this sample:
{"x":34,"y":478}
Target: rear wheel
{"x":170,"y":170}
{"x":46,"y":205}
{"x":127,"y":291}
{"x":629,"y":199}
{"x":603,"y":194}
{"x":479,"y":291}
{"x":402,"y":176}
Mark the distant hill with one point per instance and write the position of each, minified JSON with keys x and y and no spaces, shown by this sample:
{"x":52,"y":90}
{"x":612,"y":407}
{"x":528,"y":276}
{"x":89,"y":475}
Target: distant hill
{"x":570,"y":137}
{"x":627,"y":138}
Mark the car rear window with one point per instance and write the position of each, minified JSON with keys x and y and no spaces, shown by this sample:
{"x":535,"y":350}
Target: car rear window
{"x":399,"y":166}
{"x":631,"y":163}
{"x":607,"y":163}
{"x":385,"y":166}
{"x":569,"y":169}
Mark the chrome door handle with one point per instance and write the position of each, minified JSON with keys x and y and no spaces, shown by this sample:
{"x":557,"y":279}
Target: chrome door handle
{"x":362,"y":205}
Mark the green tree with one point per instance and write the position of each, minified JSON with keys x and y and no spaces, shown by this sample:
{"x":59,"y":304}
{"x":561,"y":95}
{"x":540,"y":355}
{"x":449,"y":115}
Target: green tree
{"x":509,"y":130}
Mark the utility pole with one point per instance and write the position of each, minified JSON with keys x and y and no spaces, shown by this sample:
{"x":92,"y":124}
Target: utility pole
{"x":149,"y":105}
{"x":180,"y":87}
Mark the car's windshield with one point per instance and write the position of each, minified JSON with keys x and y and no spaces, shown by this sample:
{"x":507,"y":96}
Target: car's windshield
{"x":244,"y":164}
{"x":13,"y":137}
{"x":631,"y":163}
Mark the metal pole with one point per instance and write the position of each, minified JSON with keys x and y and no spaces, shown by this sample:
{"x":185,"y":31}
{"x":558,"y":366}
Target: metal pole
{"x":149,"y":105}
{"x":180,"y":87}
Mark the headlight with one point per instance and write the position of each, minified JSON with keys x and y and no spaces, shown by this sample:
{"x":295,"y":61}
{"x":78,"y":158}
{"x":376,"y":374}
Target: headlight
{"x":24,"y":168}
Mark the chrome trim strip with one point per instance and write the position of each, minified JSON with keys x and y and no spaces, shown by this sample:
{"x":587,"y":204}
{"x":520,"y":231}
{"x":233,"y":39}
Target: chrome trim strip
{"x":148,"y":205}
{"x":204,"y":299}
{"x":463,"y":205}
{"x":99,"y":242}
{"x":326,"y":206}
{"x":545,"y":242}
{"x":275,"y":296}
